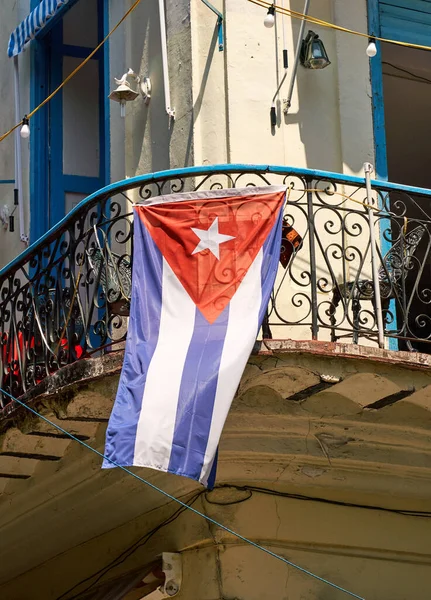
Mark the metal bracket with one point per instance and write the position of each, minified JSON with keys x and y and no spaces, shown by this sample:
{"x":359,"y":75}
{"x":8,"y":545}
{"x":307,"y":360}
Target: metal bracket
{"x":145,"y":87}
{"x":172,"y":567}
{"x":220,"y":24}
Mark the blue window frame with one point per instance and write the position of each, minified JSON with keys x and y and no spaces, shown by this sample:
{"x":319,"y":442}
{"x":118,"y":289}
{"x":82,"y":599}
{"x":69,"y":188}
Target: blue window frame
{"x":48,"y":183}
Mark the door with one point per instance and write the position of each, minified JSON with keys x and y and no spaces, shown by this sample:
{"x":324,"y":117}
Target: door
{"x":70,"y":161}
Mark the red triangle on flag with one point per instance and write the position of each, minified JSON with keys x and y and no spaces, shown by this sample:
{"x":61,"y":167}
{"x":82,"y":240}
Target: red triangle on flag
{"x":211,"y":243}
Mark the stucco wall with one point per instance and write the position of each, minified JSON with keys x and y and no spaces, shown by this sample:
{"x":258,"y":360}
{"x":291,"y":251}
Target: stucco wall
{"x":342,"y":471}
{"x":329,"y":124}
{"x":222,"y":99}
{"x":10,"y":15}
{"x":153,"y":141}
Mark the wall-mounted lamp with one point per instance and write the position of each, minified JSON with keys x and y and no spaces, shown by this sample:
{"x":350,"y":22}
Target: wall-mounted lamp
{"x":25,"y":129}
{"x":313,"y":53}
{"x":371,"y":48}
{"x":124,"y":92}
{"x":269,"y":20}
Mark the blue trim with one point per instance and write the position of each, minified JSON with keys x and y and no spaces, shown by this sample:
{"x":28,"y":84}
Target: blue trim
{"x":380,"y":150}
{"x":406,"y":20}
{"x":39,"y":190}
{"x":119,"y":186}
{"x":56,"y":195}
{"x":381,"y":165}
{"x":77,"y":51}
{"x":104,"y":104}
{"x":79,"y":184}
{"x":2,"y":181}
{"x":47,"y":182}
{"x":386,"y":186}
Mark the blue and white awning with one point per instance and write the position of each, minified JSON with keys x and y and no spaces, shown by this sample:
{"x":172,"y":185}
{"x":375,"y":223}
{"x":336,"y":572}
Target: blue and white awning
{"x":32,"y":24}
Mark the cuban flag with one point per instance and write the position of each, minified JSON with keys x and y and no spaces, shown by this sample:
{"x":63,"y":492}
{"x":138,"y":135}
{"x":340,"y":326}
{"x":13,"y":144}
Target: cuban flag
{"x":204,"y":265}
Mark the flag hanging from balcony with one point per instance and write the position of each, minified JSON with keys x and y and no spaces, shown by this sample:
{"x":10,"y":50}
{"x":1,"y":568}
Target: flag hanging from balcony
{"x":204,"y":266}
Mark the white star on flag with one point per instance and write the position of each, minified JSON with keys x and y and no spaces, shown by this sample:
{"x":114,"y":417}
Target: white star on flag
{"x":210,"y":239}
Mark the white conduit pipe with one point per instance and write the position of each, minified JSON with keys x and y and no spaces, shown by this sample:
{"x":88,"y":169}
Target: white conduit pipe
{"x":18,"y":162}
{"x":169,"y":109}
{"x":368,"y":168}
{"x":288,"y":102}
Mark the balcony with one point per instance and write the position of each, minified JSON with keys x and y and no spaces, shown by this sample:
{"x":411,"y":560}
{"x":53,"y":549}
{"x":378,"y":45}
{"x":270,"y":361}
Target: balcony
{"x":334,"y":454}
{"x":67,"y":297}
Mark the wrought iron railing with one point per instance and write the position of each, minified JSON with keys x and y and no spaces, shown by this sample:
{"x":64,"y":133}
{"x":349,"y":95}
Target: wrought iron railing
{"x":67,"y":296}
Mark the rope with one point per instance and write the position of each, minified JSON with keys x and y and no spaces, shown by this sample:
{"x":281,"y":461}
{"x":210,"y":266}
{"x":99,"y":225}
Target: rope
{"x":262,"y":3}
{"x":316,"y":21}
{"x":74,"y":72}
{"x":184,"y":504}
{"x":321,"y":190}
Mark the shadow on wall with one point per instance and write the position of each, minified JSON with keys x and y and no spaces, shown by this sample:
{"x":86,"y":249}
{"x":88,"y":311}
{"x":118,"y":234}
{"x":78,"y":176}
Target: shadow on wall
{"x":149,"y":137}
{"x":315,"y":96}
{"x":198,"y":103}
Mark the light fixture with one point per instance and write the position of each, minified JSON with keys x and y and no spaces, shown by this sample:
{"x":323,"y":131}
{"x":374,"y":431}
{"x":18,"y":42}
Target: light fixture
{"x":125,"y":93}
{"x":371,"y":48}
{"x":313,"y":53}
{"x":25,"y":129}
{"x":270,"y":18}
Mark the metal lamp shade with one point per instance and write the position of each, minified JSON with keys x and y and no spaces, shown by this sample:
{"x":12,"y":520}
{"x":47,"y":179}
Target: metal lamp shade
{"x":313,"y":53}
{"x":123,"y":93}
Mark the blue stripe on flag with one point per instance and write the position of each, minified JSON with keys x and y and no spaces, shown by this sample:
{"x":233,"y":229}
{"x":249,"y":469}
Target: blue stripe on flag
{"x":142,"y":337}
{"x":213,"y":472}
{"x":197,"y":395}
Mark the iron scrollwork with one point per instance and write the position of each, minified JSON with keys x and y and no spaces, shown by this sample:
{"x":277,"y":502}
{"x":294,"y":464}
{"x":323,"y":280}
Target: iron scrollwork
{"x":68,"y":297}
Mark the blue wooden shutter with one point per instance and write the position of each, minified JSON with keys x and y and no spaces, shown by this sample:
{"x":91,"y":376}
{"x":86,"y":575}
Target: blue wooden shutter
{"x":406,"y":20}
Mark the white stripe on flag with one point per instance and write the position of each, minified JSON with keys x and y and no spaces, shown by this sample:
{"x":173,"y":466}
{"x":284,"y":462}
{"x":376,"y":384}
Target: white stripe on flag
{"x":156,"y":424}
{"x":240,"y":337}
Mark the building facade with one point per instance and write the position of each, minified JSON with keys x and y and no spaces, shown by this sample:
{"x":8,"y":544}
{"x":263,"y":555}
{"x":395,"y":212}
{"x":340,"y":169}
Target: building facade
{"x":325,"y":458}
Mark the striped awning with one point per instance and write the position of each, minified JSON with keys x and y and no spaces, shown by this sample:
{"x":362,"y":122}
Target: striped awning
{"x":32,"y":24}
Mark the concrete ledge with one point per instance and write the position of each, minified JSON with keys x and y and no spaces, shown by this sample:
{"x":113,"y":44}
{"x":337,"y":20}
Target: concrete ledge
{"x":62,"y":386}
{"x":412,"y":360}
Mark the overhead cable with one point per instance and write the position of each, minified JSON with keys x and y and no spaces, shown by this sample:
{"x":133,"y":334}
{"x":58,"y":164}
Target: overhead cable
{"x":184,"y":504}
{"x":74,"y":72}
{"x":327,"y":24}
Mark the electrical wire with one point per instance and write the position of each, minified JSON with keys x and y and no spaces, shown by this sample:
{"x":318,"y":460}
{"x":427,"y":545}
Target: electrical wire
{"x":183,"y":504}
{"x":262,"y":3}
{"x":121,"y":558}
{"x":270,"y":492}
{"x":250,"y":489}
{"x":327,"y":24}
{"x":413,"y":75}
{"x":73,"y":73}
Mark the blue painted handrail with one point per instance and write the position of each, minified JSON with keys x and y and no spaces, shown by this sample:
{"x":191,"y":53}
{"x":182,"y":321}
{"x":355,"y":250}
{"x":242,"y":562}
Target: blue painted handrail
{"x":139,"y":180}
{"x":59,"y":297}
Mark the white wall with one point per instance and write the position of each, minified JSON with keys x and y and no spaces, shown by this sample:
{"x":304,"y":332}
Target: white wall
{"x":11,"y":14}
{"x":329,"y":125}
{"x":222,"y":99}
